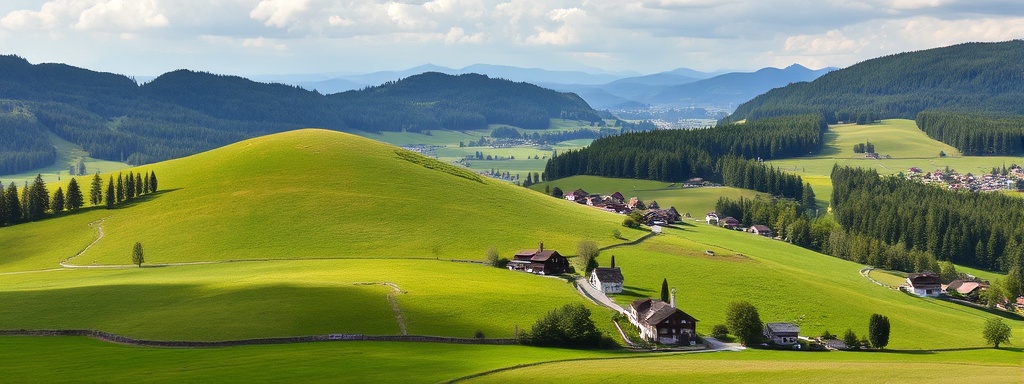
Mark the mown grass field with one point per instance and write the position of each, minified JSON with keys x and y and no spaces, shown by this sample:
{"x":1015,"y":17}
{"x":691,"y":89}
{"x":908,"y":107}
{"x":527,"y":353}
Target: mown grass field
{"x":695,"y":201}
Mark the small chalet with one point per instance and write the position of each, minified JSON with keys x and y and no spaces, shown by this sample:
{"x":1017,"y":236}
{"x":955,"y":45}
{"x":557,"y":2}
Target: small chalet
{"x":925,"y":284}
{"x":782,"y":333}
{"x":607,"y":280}
{"x":761,"y":230}
{"x":653,"y":205}
{"x":730,"y":223}
{"x":662,"y":322}
{"x":539,"y":261}
{"x":633,"y":202}
{"x":618,"y":198}
{"x":711,"y":218}
{"x":578,"y":196}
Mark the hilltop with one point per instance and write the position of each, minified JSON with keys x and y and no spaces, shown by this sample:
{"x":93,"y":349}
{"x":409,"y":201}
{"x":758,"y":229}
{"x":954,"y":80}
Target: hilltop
{"x":186,"y":112}
{"x":971,"y":77}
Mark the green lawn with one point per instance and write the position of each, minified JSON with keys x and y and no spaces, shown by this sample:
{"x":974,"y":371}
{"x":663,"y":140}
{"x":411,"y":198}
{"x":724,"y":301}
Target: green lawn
{"x":285,"y":298}
{"x":980,"y":366}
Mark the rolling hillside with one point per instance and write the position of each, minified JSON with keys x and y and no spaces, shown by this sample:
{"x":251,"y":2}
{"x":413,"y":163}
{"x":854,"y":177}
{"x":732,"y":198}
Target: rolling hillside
{"x":972,"y":76}
{"x":185,"y":112}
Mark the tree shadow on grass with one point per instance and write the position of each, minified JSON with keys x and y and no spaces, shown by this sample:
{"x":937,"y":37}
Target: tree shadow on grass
{"x":934,"y":351}
{"x":634,"y":291}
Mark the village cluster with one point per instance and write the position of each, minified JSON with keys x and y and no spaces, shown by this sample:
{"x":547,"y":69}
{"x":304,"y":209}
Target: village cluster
{"x":1011,"y":180}
{"x":617,"y":203}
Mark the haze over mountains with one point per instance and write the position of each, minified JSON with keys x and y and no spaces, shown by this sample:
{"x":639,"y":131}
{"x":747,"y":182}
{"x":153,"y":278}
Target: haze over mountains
{"x":678,"y":88}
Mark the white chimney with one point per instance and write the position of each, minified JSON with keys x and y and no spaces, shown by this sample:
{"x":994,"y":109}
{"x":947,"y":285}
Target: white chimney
{"x":541,"y":247}
{"x":673,"y":303}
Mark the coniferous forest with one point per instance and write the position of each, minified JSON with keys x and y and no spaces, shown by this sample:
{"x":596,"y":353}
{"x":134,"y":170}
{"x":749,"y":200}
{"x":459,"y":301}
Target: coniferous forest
{"x":974,"y":134}
{"x":726,"y":154}
{"x":35,"y":201}
{"x":983,"y":77}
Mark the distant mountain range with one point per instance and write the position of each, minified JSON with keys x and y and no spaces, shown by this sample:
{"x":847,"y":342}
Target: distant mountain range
{"x":185,"y":112}
{"x":970,"y":77}
{"x":679,"y":88}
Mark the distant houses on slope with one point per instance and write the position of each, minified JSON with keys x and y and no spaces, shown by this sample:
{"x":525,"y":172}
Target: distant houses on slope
{"x":729,"y":222}
{"x":617,"y":203}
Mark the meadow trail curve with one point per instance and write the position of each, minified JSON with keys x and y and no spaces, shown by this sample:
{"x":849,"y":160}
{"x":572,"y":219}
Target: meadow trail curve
{"x":99,"y":236}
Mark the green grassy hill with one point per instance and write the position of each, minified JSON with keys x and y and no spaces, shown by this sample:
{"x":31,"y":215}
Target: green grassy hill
{"x":324,"y":194}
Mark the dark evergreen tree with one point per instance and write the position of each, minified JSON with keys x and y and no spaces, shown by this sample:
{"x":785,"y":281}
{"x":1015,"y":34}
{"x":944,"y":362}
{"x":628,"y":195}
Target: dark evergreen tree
{"x":145,"y":183}
{"x":557,"y":192}
{"x":138,"y":257}
{"x":878,"y":331}
{"x":138,"y":184}
{"x":664,"y":291}
{"x":111,"y":195}
{"x":74,"y":198}
{"x":57,"y":203}
{"x":96,"y":190}
{"x":152,"y":181}
{"x":13,"y":210}
{"x":129,"y":186}
{"x":38,"y":199}
{"x":120,"y":188}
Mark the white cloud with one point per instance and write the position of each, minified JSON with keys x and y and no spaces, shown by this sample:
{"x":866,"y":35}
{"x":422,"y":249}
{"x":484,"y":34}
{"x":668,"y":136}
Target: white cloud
{"x":261,"y":42}
{"x":119,"y":15}
{"x":458,"y":35}
{"x":279,"y":13}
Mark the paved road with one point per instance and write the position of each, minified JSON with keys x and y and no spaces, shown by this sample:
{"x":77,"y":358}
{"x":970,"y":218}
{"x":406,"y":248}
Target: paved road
{"x":596,"y":296}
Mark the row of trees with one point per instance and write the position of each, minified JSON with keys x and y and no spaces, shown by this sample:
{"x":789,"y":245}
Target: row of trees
{"x":35,"y":201}
{"x":675,"y":155}
{"x":974,"y":134}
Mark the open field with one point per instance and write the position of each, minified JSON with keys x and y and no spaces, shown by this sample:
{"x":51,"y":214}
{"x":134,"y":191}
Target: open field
{"x":695,"y":201}
{"x":786,"y":283}
{"x":977,"y":366}
{"x":74,"y":359}
{"x":901,"y":139}
{"x":242,"y":300}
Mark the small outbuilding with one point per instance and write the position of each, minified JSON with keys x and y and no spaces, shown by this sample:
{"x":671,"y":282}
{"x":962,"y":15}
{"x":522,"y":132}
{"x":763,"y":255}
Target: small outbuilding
{"x":711,"y":218}
{"x":782,"y":333}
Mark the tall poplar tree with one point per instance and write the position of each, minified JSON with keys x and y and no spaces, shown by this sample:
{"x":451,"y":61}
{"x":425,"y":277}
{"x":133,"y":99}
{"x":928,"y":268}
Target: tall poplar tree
{"x":145,"y":183}
{"x":664,"y":290}
{"x":138,"y":184}
{"x":152,"y":181}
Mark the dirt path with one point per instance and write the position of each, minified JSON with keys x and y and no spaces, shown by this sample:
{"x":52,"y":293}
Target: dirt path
{"x":99,"y":236}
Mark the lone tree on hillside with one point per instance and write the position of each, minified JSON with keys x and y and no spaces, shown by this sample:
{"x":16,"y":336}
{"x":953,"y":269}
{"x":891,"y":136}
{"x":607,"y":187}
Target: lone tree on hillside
{"x":586,"y":254}
{"x":492,"y":257}
{"x":664,"y":290}
{"x":743,"y":320}
{"x":996,"y":332}
{"x":878,"y":331}
{"x":557,"y":192}
{"x":137,"y":255}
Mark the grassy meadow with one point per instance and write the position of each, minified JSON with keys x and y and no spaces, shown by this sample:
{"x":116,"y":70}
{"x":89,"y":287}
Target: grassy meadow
{"x":295,"y":233}
{"x":315,"y":194}
{"x":899,"y":138}
{"x":786,"y":283}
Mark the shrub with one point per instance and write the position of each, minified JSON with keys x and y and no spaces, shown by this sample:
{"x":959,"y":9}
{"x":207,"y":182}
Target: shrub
{"x":719,"y":331}
{"x":568,"y":326}
{"x":744,"y":322}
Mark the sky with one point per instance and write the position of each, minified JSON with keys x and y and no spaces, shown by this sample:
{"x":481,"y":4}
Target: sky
{"x":253,"y":37}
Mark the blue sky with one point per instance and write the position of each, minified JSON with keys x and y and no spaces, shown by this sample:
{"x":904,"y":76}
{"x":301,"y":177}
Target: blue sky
{"x":248,"y":37}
